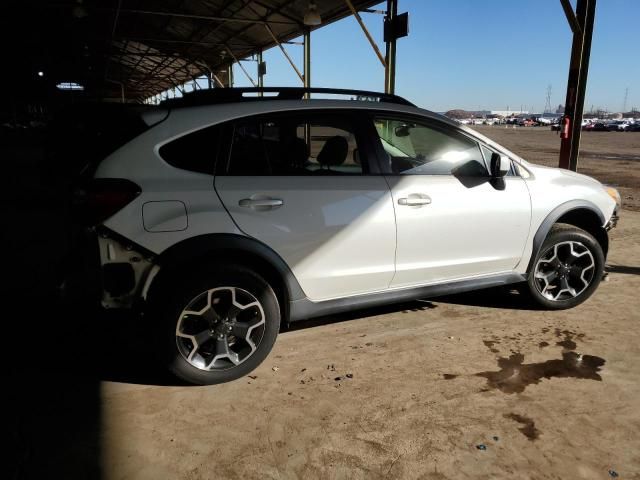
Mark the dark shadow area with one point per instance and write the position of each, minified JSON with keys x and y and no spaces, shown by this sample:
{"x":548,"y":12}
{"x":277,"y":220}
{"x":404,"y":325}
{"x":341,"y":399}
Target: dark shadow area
{"x":52,"y":391}
{"x":623,"y":269}
{"x":471,"y":174}
{"x":57,"y":348}
{"x":405,"y":307}
{"x":508,"y":297}
{"x":513,"y":297}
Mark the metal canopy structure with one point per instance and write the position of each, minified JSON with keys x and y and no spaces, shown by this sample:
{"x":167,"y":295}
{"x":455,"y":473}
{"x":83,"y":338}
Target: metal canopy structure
{"x":134,"y":49}
{"x":144,"y":47}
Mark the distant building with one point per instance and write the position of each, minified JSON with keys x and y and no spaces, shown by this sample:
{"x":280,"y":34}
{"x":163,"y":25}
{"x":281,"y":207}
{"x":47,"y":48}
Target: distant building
{"x":508,"y":113}
{"x":560,"y":109}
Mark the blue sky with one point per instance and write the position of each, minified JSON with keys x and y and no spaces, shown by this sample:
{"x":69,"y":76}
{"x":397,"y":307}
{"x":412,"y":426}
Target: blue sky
{"x":476,"y":54}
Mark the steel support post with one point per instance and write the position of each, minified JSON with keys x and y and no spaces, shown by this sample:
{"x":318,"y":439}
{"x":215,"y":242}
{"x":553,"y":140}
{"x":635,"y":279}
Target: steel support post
{"x":307,"y":59}
{"x":230,"y":75}
{"x":571,"y":128}
{"x":390,"y":56}
{"x":307,"y":79}
{"x":260,"y":73}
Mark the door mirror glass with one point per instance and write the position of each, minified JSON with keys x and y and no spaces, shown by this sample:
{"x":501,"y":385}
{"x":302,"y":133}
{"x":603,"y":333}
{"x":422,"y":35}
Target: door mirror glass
{"x":500,"y":165}
{"x":403,"y":130}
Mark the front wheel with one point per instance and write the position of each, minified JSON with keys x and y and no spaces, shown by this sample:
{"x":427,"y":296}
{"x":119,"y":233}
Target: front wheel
{"x":220,"y":326}
{"x":568,"y":268}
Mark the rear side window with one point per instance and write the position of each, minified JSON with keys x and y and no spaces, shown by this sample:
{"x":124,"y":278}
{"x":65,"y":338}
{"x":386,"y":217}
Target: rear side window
{"x":294,"y":145}
{"x":195,"y":151}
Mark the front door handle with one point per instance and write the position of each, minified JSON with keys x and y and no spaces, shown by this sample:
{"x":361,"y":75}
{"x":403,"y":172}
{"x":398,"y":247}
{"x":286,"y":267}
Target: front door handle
{"x":415,"y":200}
{"x":265,"y":203}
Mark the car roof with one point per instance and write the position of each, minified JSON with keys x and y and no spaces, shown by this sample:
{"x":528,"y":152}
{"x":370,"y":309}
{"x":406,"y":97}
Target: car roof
{"x":184,"y":119}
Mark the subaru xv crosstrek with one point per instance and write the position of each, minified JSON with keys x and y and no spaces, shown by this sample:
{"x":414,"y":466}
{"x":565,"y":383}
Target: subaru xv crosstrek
{"x":233,"y":213}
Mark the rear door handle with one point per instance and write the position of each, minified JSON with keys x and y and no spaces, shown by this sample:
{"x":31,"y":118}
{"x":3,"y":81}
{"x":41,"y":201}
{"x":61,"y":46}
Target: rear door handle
{"x":261,"y":202}
{"x":415,"y":200}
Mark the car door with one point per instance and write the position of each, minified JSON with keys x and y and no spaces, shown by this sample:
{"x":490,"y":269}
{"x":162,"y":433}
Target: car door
{"x":302,"y":183}
{"x":453,"y":221}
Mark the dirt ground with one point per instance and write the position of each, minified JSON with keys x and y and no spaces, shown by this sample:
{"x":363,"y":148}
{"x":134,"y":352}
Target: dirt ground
{"x":472,"y":386}
{"x":479,"y":385}
{"x":611,"y":157}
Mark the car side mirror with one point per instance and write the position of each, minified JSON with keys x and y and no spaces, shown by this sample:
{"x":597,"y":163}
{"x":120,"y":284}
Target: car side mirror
{"x":500,"y":165}
{"x":403,"y":130}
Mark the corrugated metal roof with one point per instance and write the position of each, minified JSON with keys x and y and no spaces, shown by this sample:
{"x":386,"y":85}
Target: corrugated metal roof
{"x":147,"y":45}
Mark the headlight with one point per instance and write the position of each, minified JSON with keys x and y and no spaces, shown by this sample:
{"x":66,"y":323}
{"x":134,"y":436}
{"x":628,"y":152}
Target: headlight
{"x":615,"y":194}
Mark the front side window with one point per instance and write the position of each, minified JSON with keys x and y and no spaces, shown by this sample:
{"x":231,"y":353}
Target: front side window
{"x":294,"y":145}
{"x":417,"y":149}
{"x":488,"y":153}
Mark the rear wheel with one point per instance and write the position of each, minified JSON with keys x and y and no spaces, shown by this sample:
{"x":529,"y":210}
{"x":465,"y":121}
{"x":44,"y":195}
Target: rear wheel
{"x":220,"y":326}
{"x":568,"y":268}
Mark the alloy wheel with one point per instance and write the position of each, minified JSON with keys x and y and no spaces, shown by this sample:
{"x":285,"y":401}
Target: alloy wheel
{"x":220,"y":328}
{"x":564,"y":271}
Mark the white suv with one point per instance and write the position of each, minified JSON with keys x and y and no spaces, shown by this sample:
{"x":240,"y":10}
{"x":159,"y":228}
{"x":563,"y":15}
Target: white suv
{"x":232,"y":214}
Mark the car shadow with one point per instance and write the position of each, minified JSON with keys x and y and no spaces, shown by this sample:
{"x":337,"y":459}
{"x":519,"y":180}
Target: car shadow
{"x":363,"y":314}
{"x":512,"y":297}
{"x":623,"y":269}
{"x":506,"y":297}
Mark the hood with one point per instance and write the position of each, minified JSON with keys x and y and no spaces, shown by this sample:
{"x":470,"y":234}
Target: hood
{"x":560,"y":174}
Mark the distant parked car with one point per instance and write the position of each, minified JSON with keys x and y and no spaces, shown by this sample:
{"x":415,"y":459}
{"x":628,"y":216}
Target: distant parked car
{"x":634,"y":127}
{"x":618,"y":126}
{"x":600,"y":127}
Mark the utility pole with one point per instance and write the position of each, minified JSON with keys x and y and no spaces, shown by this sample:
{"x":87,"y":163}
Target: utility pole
{"x":547,"y":106}
{"x":626,"y":97}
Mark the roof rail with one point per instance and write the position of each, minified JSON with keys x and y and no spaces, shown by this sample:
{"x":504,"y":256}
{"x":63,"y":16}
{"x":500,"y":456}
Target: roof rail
{"x":231,"y":95}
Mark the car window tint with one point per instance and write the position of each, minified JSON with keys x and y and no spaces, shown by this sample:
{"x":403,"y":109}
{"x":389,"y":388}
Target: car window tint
{"x":294,"y":145}
{"x":194,"y":152}
{"x":417,"y":149}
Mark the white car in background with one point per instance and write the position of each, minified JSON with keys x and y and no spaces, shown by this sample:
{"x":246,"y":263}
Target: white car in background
{"x":233,"y":214}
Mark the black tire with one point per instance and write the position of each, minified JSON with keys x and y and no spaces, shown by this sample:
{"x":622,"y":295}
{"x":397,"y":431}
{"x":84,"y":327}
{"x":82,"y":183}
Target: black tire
{"x":566,"y":236}
{"x":171,"y":308}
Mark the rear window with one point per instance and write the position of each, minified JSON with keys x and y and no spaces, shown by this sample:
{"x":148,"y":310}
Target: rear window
{"x":194,"y":152}
{"x":81,"y":136}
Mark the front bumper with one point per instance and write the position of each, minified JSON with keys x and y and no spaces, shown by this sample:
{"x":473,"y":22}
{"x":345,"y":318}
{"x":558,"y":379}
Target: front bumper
{"x":613,"y":221}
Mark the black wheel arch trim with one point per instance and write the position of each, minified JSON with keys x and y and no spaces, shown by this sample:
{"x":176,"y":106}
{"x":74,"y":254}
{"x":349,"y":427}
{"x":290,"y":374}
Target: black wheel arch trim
{"x":554,"y":216}
{"x":193,"y":248}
